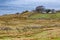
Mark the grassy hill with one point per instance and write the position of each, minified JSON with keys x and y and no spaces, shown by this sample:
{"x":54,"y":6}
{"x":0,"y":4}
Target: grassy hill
{"x":45,"y":16}
{"x":31,"y":15}
{"x":22,"y":27}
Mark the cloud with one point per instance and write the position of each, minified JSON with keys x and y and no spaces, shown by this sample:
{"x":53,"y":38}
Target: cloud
{"x":12,"y":6}
{"x":33,"y":3}
{"x":29,"y":3}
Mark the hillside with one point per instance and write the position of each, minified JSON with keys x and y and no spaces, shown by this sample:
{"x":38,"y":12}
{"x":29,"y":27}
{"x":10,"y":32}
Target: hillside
{"x":30,"y":26}
{"x":45,"y":16}
{"x":32,"y":15}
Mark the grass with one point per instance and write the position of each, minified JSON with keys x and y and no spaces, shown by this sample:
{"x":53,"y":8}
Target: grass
{"x":45,"y":16}
{"x":17,"y":27}
{"x":44,"y":35}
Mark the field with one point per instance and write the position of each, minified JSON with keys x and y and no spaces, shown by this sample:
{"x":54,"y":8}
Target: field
{"x":30,"y":26}
{"x":45,"y":16}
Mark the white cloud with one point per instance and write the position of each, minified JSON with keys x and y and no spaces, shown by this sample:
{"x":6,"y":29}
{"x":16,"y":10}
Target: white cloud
{"x":32,"y":2}
{"x":21,"y":5}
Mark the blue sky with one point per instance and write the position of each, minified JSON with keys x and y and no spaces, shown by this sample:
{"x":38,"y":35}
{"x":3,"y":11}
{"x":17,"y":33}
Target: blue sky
{"x":13,"y":6}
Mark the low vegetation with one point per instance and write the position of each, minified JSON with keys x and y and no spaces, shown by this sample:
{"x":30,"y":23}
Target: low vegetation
{"x":30,"y":26}
{"x":45,"y":16}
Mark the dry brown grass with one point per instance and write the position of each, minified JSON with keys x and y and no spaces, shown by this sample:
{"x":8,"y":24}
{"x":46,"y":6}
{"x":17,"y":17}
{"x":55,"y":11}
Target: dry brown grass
{"x":18,"y":27}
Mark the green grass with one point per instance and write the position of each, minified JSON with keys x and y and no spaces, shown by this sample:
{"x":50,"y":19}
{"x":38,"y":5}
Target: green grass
{"x":45,"y":16}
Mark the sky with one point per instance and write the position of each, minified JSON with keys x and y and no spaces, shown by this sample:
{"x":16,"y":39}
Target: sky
{"x":13,"y":6}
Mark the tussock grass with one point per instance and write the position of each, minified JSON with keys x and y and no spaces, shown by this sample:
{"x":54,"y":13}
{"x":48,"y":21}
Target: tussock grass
{"x":21,"y":26}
